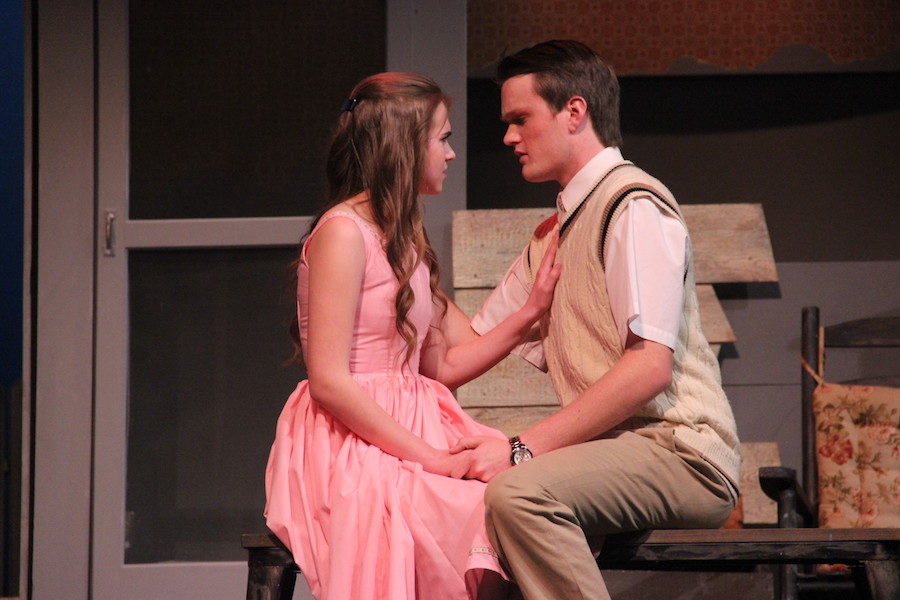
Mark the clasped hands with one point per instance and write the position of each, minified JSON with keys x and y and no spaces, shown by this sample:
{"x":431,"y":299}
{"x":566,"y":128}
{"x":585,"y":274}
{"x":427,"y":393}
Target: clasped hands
{"x":479,"y":457}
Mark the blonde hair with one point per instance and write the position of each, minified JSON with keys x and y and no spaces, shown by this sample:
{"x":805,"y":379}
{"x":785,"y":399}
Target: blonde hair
{"x":379,"y":146}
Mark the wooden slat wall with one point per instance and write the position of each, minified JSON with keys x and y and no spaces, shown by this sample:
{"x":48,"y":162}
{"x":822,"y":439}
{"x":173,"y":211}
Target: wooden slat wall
{"x":731,"y":243}
{"x":486,"y":242}
{"x":759,"y":510}
{"x":513,"y":382}
{"x":530,"y":386}
{"x":715,"y":324}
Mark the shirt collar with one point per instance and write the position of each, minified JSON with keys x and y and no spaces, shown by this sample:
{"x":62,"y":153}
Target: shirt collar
{"x":587,"y":176}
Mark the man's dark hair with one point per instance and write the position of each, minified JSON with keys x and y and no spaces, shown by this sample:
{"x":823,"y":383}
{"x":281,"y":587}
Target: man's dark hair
{"x":566,"y":68}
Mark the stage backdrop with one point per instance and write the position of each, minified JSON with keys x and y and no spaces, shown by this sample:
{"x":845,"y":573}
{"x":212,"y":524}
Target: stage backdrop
{"x":697,"y":36}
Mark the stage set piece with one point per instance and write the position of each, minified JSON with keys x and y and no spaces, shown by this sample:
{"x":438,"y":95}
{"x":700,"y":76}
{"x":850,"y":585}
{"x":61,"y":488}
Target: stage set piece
{"x":731,"y":245}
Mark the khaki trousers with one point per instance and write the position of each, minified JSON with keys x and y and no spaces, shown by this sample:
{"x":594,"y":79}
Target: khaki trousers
{"x":542,"y":514}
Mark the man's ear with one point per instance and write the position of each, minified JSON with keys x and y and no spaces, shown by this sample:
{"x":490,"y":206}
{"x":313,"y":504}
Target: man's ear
{"x":576,"y":108}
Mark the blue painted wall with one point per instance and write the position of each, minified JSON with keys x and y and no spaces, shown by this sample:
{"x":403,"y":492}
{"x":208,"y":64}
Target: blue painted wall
{"x":11,"y":193}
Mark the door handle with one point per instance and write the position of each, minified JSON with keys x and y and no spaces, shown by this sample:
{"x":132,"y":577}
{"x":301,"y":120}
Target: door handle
{"x":109,"y":233}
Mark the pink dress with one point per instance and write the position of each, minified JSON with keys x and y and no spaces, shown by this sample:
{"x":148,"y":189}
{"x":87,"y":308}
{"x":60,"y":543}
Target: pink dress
{"x":363,"y":524}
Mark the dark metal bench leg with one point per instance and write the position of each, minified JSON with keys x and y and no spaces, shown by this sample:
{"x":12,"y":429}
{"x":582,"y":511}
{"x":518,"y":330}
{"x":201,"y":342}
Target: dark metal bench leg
{"x":788,"y":516}
{"x":272,"y":574}
{"x":786,"y":582}
{"x":883,"y":577}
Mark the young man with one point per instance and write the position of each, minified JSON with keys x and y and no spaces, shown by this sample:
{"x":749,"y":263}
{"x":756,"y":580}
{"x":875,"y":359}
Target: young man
{"x":645,"y":437}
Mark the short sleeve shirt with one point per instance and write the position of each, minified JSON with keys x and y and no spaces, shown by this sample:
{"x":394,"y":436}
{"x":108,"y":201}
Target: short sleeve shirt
{"x":646,"y":254}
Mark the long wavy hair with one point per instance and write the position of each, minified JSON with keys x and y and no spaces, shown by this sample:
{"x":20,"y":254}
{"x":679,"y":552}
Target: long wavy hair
{"x":379,"y":146}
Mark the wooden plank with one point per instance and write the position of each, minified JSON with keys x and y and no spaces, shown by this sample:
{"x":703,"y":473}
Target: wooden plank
{"x":882,"y":331}
{"x":260,"y":540}
{"x":511,"y":420}
{"x":730,"y":242}
{"x":469,"y":300}
{"x":703,"y":548}
{"x":813,"y":535}
{"x":749,"y":546}
{"x":881,"y":381}
{"x":656,"y":556}
{"x":486,"y":242}
{"x":764,"y":535}
{"x":758,"y":509}
{"x":713,"y":321}
{"x":512,"y":382}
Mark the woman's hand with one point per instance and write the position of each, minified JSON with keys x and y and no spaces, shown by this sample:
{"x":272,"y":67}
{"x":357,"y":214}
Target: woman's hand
{"x":442,"y":462}
{"x":454,"y":353}
{"x":490,"y":456}
{"x":545,"y":279}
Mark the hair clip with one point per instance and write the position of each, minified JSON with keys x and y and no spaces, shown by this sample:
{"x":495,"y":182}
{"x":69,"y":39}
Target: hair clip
{"x":349,"y":103}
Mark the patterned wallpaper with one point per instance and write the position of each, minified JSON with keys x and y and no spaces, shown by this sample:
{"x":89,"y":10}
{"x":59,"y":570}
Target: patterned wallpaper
{"x":648,"y":36}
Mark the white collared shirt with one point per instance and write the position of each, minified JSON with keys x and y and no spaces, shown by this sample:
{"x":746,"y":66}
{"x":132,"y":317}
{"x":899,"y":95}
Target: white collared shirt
{"x":646,"y":253}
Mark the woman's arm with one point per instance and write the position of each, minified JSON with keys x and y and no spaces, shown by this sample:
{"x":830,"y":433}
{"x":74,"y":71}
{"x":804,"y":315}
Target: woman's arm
{"x":454,"y":353}
{"x":336,"y":259}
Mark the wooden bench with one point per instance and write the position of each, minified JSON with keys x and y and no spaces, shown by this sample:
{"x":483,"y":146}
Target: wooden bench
{"x":272,"y":572}
{"x":873,"y":552}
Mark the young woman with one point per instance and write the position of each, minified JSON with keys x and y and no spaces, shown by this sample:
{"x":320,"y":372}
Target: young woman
{"x":361,"y":485}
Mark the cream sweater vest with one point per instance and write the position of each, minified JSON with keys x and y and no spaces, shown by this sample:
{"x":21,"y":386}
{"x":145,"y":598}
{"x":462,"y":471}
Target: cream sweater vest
{"x":581,"y":342}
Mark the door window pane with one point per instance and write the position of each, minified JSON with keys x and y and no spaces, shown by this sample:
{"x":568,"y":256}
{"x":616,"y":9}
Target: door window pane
{"x":232,"y":102}
{"x":206,"y":385}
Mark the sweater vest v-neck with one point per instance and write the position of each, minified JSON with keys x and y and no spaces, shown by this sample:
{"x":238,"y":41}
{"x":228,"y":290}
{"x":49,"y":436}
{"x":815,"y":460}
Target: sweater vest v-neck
{"x":581,"y":341}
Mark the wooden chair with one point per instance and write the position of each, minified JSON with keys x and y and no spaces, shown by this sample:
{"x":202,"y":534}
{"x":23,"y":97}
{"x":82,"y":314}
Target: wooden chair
{"x":798,"y":504}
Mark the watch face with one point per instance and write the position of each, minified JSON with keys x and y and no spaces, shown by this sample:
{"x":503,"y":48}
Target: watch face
{"x":520,"y":455}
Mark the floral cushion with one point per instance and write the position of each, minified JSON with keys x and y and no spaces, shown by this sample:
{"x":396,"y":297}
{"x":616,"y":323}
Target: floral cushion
{"x":858,"y":442}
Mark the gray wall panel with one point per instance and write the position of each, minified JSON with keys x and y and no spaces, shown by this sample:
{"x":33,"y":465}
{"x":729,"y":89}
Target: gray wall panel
{"x":430,"y":38}
{"x":768,"y":329}
{"x":769,"y":413}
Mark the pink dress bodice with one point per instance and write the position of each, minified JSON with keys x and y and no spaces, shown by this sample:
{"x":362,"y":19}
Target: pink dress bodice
{"x":377,"y":346}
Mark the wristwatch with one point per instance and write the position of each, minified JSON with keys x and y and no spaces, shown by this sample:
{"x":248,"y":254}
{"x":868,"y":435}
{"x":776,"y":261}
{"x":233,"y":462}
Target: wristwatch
{"x":520,"y":452}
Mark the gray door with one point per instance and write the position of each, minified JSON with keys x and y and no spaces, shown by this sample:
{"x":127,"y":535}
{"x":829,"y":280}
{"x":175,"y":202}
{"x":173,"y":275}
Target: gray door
{"x":212,"y":124}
